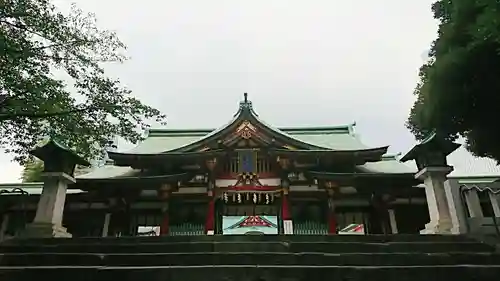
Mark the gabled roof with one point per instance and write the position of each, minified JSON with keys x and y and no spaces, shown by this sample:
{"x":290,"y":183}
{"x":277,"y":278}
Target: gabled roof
{"x":246,"y":113}
{"x":335,"y":138}
{"x":340,"y":138}
{"x":175,"y":145}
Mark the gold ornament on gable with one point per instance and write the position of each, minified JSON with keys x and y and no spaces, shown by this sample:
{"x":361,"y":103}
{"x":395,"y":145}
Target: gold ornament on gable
{"x":246,"y":130}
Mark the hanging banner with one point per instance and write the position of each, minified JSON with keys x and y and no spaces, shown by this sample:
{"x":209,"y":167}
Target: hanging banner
{"x":148,"y":231}
{"x":237,"y":225}
{"x":358,"y":229}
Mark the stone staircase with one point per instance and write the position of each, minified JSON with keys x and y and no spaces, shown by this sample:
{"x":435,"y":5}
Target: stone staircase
{"x":207,"y":258}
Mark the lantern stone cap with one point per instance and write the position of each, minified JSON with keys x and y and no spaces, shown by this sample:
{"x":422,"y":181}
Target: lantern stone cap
{"x":59,"y":175}
{"x":433,"y":142}
{"x":431,"y":171}
{"x":52,"y":147}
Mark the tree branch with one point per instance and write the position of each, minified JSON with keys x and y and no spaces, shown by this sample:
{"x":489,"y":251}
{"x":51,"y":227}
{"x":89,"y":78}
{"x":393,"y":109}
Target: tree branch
{"x":66,"y":44}
{"x":39,"y":115}
{"x":25,"y":28}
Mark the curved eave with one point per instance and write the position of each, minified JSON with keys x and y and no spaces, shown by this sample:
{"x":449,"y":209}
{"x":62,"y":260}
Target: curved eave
{"x":142,"y":182}
{"x":368,"y":155}
{"x":52,"y":147}
{"x":135,"y":160}
{"x":375,"y":180}
{"x":431,"y":142}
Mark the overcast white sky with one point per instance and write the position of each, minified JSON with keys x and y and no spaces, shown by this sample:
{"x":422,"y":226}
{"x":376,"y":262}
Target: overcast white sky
{"x":303,"y":63}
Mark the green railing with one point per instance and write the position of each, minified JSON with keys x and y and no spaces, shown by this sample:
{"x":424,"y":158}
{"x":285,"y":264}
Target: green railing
{"x":186,"y":229}
{"x":310,"y":228}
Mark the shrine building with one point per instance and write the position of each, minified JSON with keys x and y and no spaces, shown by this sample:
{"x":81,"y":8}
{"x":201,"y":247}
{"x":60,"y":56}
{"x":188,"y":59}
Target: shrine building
{"x":247,"y":177}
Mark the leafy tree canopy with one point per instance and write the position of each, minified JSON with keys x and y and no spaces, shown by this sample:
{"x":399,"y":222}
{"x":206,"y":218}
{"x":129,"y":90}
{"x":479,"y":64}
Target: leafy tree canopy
{"x":458,"y":93}
{"x":32,"y":171}
{"x":84,"y":111}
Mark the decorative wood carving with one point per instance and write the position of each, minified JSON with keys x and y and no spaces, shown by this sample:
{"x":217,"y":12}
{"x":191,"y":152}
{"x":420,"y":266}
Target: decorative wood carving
{"x":248,"y":179}
{"x":246,"y":130}
{"x":284,"y":163}
{"x":211,"y":163}
{"x":206,"y":148}
{"x":330,"y":185}
{"x":164,"y":191}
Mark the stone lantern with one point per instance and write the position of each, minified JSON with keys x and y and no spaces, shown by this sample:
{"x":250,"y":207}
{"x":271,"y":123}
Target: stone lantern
{"x":430,"y":157}
{"x":59,"y":166}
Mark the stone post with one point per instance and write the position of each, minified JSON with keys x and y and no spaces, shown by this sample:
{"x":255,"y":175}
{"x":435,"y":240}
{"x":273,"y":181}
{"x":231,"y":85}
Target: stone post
{"x":473,"y":204}
{"x":476,"y":216}
{"x":392,"y":221}
{"x":439,"y":212}
{"x":456,"y":206}
{"x":59,"y":165}
{"x":105,"y":226}
{"x":495,"y":203}
{"x":3,"y":227}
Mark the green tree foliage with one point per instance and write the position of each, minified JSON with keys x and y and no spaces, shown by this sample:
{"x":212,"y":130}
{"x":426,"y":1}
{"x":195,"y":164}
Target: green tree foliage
{"x":33,"y":169}
{"x":84,"y":110}
{"x":459,"y":90}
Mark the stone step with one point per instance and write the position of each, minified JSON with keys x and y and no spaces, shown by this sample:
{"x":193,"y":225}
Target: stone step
{"x":250,"y":238}
{"x":255,"y":273}
{"x":186,"y":247}
{"x":250,"y":258}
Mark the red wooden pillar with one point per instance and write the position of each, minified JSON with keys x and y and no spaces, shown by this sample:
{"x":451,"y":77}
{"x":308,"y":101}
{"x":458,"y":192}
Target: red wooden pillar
{"x":286,"y":217}
{"x":210,"y":219}
{"x":332,"y":216}
{"x":165,"y":221}
{"x":164,"y":194}
{"x":381,"y":206}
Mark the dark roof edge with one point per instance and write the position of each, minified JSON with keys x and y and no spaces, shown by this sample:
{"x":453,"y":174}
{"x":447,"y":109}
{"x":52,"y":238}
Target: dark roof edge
{"x":136,"y":177}
{"x":370,"y":174}
{"x":382,"y":149}
{"x":341,"y":129}
{"x":391,"y":156}
{"x":117,"y":155}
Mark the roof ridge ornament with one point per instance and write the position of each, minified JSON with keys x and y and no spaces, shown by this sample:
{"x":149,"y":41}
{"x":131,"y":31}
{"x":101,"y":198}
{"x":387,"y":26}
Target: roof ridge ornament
{"x":246,"y":107}
{"x":245,"y":104}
